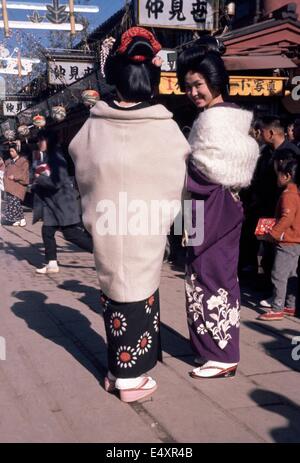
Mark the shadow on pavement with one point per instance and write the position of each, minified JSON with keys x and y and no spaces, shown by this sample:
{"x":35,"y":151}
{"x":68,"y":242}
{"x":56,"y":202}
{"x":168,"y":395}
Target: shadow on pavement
{"x":34,"y":254}
{"x":40,"y":315}
{"x":281,"y":347}
{"x":279,"y":404}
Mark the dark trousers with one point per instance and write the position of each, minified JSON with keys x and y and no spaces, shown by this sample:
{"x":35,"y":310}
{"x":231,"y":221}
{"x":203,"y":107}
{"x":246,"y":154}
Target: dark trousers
{"x":284,"y":276}
{"x":73,"y":233}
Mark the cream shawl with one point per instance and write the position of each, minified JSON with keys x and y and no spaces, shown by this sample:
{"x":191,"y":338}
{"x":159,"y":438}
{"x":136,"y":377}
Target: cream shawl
{"x":140,"y":153}
{"x":222,"y":148}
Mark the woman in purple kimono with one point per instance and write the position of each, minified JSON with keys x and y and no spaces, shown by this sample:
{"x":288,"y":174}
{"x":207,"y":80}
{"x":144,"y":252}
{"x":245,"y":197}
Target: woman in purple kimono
{"x":223,"y":160}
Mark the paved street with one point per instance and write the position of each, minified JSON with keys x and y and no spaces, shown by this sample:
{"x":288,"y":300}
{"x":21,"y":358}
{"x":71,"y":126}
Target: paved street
{"x":51,"y":381}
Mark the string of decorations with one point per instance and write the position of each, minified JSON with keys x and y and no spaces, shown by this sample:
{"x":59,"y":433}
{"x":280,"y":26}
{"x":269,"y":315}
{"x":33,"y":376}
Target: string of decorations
{"x":89,"y":96}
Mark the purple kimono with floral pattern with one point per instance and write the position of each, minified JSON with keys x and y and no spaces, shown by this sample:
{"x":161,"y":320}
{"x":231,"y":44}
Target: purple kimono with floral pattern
{"x":212,"y":288}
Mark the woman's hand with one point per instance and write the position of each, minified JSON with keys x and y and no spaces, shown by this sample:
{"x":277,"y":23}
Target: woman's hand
{"x":157,"y":61}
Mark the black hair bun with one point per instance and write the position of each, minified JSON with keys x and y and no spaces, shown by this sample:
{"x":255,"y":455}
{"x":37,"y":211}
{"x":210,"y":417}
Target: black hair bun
{"x":140,"y":47}
{"x":209,"y":43}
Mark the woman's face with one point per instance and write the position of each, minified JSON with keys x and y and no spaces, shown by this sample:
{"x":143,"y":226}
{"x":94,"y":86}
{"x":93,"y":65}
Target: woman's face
{"x":197,"y":90}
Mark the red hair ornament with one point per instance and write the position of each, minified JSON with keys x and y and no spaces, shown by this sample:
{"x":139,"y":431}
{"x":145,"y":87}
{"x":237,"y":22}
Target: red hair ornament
{"x":140,"y":32}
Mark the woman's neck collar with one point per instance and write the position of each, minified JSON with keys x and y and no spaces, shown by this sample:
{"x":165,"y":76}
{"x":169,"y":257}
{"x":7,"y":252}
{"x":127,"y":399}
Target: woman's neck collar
{"x":218,"y":100}
{"x":126,"y":104}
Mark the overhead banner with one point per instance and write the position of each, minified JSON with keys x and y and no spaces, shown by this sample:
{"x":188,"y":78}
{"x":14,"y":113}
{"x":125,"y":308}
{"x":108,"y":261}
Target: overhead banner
{"x":177,"y":14}
{"x":58,"y":16}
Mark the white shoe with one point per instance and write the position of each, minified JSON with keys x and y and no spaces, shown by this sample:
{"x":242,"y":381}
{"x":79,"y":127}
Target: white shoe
{"x":52,"y":267}
{"x":132,"y":390}
{"x":214,"y":370}
{"x":16,"y":224}
{"x":22,"y":223}
{"x":267,"y":303}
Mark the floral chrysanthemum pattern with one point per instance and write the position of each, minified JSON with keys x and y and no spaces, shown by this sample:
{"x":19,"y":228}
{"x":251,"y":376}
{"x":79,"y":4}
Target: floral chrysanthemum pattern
{"x":201,"y":329}
{"x":194,"y":295}
{"x":126,"y":357}
{"x":149,"y":303}
{"x":132,"y":331}
{"x":222,"y":315}
{"x":156,"y":322}
{"x":144,"y":343}
{"x":118,"y":324}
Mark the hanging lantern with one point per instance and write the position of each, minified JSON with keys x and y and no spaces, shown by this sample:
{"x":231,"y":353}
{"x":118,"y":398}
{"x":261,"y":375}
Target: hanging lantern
{"x":10,"y":134}
{"x":58,"y":113}
{"x":90,"y":97}
{"x":39,"y":121}
{"x":23,"y":130}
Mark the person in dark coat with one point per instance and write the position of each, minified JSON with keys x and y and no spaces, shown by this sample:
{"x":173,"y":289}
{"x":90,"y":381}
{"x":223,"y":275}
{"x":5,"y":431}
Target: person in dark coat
{"x":265,"y":180}
{"x":56,"y":202}
{"x":297,"y":133}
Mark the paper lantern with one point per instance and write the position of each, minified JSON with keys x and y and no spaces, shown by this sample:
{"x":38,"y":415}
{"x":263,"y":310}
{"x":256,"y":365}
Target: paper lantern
{"x":90,"y":97}
{"x":58,"y":113}
{"x":23,"y":130}
{"x":10,"y":134}
{"x":39,"y":121}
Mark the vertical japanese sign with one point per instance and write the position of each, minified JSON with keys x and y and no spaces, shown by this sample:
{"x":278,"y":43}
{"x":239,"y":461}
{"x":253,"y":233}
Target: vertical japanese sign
{"x":178,"y":14}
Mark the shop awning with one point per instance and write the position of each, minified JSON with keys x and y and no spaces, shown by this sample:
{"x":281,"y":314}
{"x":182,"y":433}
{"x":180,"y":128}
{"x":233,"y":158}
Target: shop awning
{"x":249,"y":62}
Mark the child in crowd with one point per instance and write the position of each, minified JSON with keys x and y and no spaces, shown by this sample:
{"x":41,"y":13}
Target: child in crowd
{"x":286,"y":236}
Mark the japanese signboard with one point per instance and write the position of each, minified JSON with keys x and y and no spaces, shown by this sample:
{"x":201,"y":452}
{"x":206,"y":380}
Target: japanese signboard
{"x":239,"y":85}
{"x":256,"y":86}
{"x":178,"y":14}
{"x":169,"y":58}
{"x":67,"y":72}
{"x":169,"y":84}
{"x":13,"y":107}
